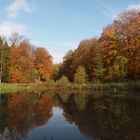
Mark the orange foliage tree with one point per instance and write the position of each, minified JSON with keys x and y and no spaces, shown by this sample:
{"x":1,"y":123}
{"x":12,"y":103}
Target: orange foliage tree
{"x":114,"y":56}
{"x":43,"y":63}
{"x":43,"y":109}
{"x":20,"y":63}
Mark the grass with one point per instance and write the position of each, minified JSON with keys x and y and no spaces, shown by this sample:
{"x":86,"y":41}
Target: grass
{"x":32,"y":87}
{"x":6,"y":88}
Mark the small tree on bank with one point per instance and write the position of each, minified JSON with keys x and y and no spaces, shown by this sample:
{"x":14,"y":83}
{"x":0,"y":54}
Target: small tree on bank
{"x":63,"y":81}
{"x":80,"y":76}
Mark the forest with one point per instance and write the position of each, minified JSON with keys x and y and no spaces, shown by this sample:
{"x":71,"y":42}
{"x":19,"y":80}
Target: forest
{"x":114,"y":56}
{"x":22,"y":62}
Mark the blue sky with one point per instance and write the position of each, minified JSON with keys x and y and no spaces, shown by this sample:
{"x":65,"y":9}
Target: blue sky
{"x":59,"y":25}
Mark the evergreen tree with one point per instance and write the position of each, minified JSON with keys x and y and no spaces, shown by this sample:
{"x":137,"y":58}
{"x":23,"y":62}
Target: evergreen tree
{"x":4,"y":53}
{"x":63,"y":81}
{"x":99,"y":68}
{"x":80,"y":76}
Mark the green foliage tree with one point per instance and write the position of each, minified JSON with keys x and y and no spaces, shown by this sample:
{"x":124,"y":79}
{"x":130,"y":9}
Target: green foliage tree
{"x":99,"y":71}
{"x":119,"y":67}
{"x":55,"y":73}
{"x":80,"y":76}
{"x":4,"y":52}
{"x":63,"y":81}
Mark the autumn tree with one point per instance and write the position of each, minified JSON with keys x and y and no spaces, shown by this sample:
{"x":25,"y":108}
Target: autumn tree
{"x":114,"y":56}
{"x":74,"y":58}
{"x":67,"y":68}
{"x":43,"y":63}
{"x":21,"y":63}
{"x":119,"y":51}
{"x":90,"y":60}
{"x":128,"y":22}
{"x":114,"y":59}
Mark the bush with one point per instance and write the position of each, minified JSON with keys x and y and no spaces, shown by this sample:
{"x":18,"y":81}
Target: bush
{"x":80,"y":76}
{"x":63,"y":81}
{"x":50,"y":82}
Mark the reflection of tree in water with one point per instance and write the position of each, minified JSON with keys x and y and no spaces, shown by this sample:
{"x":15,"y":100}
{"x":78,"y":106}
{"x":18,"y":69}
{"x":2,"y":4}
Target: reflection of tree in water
{"x":102,"y":117}
{"x":80,"y":100}
{"x":19,"y":112}
{"x":10,"y":135}
{"x":3,"y":105}
{"x":106,"y":118}
{"x":43,"y":109}
{"x":24,"y":111}
{"x":58,"y":98}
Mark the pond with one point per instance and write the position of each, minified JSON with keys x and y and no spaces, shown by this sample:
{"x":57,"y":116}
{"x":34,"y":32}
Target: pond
{"x":69,"y":116}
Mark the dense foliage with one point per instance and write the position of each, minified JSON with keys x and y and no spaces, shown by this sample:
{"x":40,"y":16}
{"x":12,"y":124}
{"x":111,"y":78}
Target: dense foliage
{"x":20,"y":62}
{"x":114,"y":56}
{"x":80,"y":76}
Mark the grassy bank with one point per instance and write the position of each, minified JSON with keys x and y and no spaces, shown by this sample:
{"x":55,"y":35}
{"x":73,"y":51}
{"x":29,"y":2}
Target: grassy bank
{"x":5,"y":88}
{"x":113,"y":87}
{"x":101,"y":86}
{"x":32,"y":87}
{"x":8,"y":88}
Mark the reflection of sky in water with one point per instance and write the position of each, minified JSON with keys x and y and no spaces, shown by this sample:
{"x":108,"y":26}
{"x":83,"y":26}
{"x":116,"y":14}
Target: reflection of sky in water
{"x":76,"y":117}
{"x":57,"y":128}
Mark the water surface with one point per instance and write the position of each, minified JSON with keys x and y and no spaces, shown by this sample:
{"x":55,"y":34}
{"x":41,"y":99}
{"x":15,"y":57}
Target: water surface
{"x":69,"y":116}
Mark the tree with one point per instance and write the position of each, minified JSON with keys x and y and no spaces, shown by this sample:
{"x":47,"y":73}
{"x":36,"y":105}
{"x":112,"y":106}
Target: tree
{"x":55,"y":73}
{"x":129,"y":23}
{"x":67,"y":68}
{"x":4,"y":52}
{"x":63,"y":81}
{"x":73,"y":59}
{"x":80,"y":76}
{"x":21,"y":63}
{"x":99,"y":71}
{"x":43,"y":63}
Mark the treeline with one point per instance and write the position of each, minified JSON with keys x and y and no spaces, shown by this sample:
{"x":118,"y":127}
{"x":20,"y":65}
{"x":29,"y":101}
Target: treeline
{"x":114,"y":56}
{"x":21,"y":62}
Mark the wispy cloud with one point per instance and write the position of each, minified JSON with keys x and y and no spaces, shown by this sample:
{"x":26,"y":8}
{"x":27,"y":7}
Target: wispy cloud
{"x":17,"y":6}
{"x":107,"y":10}
{"x":134,"y":6}
{"x":7,"y":28}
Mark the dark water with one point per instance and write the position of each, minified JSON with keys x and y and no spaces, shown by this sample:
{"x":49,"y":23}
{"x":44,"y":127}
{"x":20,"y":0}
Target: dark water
{"x":69,"y":116}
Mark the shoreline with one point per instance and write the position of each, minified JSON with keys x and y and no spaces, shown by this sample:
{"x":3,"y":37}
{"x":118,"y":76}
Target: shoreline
{"x":31,"y":87}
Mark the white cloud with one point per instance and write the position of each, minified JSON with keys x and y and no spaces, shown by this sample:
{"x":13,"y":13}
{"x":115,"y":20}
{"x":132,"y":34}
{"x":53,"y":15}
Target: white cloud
{"x":17,"y":6}
{"x":108,"y":11}
{"x":134,"y":6}
{"x":7,"y":28}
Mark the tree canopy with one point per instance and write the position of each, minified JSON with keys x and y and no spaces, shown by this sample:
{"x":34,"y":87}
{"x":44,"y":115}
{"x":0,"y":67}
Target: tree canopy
{"x":114,"y":56}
